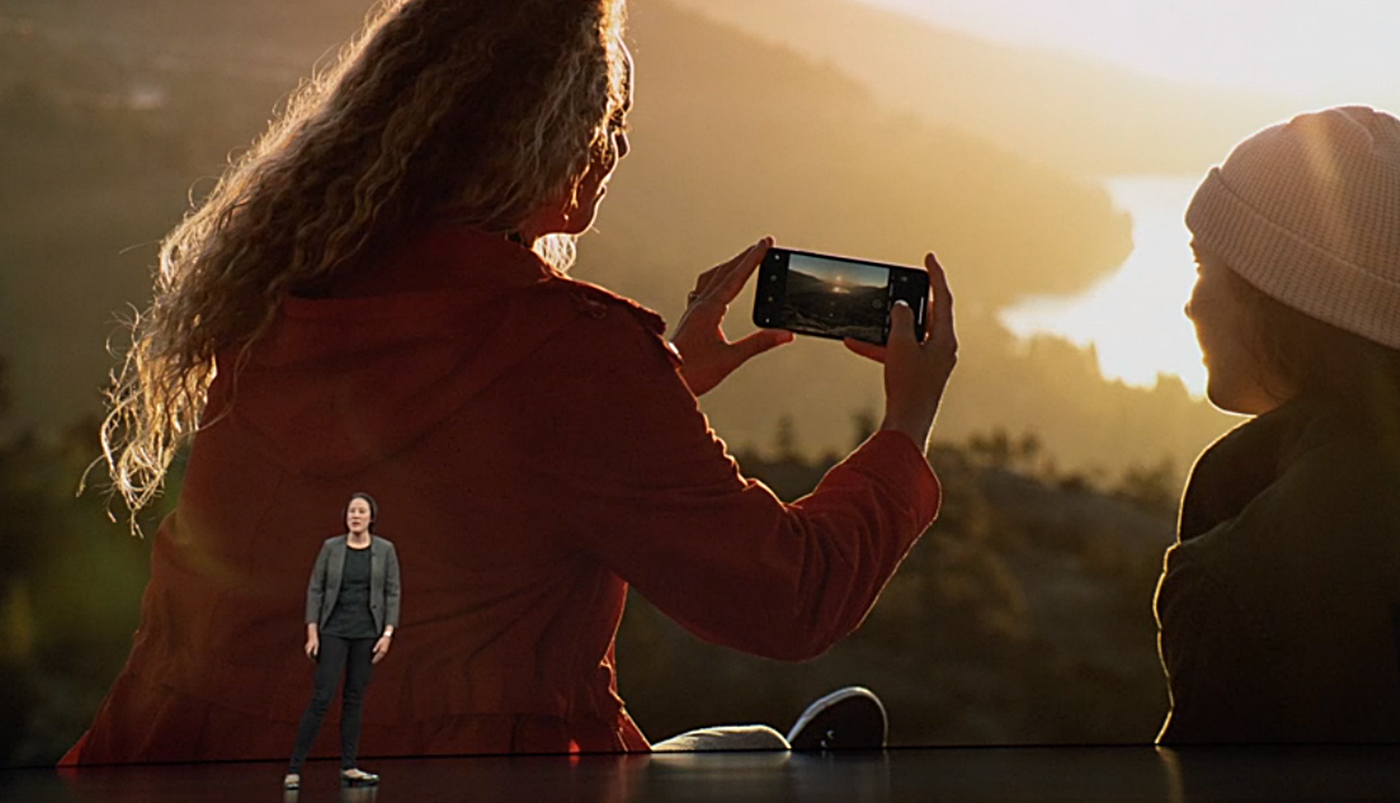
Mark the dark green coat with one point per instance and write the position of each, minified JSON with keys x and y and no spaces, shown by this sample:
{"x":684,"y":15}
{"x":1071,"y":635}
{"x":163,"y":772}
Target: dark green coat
{"x":1277,"y":610}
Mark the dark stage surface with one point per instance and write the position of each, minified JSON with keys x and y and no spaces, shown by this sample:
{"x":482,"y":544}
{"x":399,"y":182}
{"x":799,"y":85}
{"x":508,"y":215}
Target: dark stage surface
{"x":940,"y":774}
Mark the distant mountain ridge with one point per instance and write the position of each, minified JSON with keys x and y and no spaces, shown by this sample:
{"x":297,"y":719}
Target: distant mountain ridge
{"x":118,"y":109}
{"x":1077,"y":114}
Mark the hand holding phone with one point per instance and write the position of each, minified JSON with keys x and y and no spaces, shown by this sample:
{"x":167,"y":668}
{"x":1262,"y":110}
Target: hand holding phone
{"x":916,"y":370}
{"x":707,"y":355}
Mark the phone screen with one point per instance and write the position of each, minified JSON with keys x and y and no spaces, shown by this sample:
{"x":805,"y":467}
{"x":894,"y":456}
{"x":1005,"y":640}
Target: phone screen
{"x":841,"y":299}
{"x":837,"y":297}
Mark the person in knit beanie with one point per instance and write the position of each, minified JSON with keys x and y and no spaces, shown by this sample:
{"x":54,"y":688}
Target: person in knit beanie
{"x":1279,"y":606}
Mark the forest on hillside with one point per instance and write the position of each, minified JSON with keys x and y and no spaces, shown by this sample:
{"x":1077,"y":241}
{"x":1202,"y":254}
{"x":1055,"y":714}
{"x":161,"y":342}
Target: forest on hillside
{"x":1072,"y":113}
{"x":1023,"y":616}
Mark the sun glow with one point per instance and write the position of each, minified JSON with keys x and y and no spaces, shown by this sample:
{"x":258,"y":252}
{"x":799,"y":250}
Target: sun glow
{"x":1304,"y":53}
{"x":1134,"y":318}
{"x":1314,"y":53}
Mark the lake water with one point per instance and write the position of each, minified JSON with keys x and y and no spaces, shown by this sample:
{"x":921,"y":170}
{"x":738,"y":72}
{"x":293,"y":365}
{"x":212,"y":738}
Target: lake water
{"x":1134,"y":318}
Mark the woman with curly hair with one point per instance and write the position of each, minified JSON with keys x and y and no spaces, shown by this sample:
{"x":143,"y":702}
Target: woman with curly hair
{"x":375,"y":296}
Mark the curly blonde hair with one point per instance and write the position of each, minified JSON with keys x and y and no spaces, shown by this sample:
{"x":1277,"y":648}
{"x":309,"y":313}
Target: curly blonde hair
{"x":479,"y":112}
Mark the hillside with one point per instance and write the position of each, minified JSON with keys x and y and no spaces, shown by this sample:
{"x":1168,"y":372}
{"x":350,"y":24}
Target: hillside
{"x":716,"y":138}
{"x":110,"y":114}
{"x":1023,"y":616}
{"x":1076,"y":114}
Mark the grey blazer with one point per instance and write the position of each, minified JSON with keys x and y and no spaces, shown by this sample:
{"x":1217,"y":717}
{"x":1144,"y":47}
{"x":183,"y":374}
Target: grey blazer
{"x":384,"y":588}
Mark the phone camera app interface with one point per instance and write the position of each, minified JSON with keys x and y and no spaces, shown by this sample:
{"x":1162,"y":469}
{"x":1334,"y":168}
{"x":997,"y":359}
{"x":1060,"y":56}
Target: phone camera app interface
{"x":846,"y":299}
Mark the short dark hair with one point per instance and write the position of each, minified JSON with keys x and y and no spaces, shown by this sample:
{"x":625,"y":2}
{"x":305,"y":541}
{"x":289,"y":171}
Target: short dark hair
{"x":373,"y":505}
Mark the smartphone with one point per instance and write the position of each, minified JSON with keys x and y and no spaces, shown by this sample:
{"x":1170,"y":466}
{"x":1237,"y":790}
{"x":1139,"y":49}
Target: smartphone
{"x":837,"y":297}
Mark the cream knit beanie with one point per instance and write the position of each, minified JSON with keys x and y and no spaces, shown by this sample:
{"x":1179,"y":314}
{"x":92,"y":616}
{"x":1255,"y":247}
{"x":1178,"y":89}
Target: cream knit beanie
{"x":1308,"y":212}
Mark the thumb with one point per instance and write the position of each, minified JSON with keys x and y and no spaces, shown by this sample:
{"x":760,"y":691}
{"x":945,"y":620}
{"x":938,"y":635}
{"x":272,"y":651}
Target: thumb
{"x":901,"y":327}
{"x":761,"y":341}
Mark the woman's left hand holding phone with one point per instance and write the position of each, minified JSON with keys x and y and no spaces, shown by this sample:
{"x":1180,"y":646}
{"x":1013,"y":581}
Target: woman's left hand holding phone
{"x":707,"y":356}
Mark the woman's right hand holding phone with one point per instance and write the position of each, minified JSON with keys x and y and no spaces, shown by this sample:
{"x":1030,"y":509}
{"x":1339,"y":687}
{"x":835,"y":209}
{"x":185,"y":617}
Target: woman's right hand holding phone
{"x":916,"y":372}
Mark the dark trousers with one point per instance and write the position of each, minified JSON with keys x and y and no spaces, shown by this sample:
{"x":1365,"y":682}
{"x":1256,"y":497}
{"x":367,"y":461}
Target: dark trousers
{"x":351,"y":657}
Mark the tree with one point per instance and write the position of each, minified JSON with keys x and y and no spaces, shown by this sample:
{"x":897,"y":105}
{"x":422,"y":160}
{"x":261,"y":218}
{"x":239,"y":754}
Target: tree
{"x":865,"y":424}
{"x":994,"y":450}
{"x":1153,"y":488}
{"x":785,"y":441}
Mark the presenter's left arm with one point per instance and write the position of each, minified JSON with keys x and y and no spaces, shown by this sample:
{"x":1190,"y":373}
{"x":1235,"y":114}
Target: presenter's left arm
{"x":392,"y":597}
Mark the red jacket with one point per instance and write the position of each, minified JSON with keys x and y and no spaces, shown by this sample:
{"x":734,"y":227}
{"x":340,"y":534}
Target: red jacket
{"x":534,"y":451}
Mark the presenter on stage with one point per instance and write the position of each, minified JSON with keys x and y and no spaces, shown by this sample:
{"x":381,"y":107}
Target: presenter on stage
{"x":352,"y":608}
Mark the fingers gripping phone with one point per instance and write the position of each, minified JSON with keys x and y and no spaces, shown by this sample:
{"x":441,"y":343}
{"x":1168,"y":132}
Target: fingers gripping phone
{"x":837,"y":297}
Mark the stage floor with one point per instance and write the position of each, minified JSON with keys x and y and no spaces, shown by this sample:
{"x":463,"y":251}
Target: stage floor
{"x":1081,"y":774}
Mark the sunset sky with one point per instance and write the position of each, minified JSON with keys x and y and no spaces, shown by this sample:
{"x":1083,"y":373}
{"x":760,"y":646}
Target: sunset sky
{"x":1307,"y":53}
{"x":1320,"y":53}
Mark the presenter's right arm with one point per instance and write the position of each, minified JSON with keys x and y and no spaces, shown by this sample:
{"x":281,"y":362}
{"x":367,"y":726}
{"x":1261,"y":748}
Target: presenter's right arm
{"x":315,"y":593}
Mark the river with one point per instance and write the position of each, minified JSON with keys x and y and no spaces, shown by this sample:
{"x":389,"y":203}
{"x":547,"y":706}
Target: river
{"x":1134,"y":318}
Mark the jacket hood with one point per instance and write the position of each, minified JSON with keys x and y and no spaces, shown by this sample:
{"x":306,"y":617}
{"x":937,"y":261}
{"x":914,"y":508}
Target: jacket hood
{"x":344,"y":381}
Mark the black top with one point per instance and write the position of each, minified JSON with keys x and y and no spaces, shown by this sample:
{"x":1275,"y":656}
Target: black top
{"x":351,"y":617}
